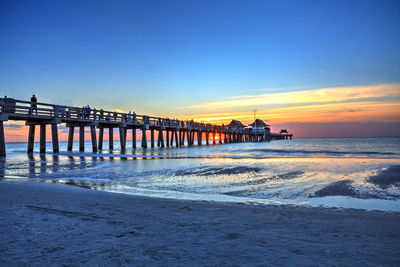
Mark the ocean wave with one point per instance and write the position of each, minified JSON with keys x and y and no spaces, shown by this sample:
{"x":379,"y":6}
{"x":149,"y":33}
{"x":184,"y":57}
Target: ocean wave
{"x":288,"y":154}
{"x":226,"y":170}
{"x":327,"y":152}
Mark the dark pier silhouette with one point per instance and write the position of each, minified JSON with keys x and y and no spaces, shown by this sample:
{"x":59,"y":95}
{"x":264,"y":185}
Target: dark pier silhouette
{"x":176,"y":131}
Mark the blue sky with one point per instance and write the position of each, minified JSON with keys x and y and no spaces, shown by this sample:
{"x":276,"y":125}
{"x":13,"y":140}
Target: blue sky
{"x":157,"y":56}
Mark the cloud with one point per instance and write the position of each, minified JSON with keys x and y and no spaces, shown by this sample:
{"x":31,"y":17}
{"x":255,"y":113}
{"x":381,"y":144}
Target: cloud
{"x":14,"y":125}
{"x":118,"y":110}
{"x":377,"y":103}
{"x":315,"y":96}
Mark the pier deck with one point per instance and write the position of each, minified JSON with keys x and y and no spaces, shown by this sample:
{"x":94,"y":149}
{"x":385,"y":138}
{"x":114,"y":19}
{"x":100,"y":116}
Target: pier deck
{"x":176,"y":131}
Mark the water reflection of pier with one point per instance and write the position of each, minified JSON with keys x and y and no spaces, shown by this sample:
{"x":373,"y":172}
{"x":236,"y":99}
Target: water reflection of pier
{"x":43,"y":164}
{"x":170,"y":132}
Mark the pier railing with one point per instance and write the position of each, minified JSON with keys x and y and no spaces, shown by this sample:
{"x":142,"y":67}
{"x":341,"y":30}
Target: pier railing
{"x":27,"y":110}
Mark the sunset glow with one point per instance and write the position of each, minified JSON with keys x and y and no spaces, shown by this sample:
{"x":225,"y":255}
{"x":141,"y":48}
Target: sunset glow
{"x":362,"y":104}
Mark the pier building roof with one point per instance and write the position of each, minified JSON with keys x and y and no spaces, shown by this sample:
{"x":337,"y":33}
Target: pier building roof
{"x":236,"y":123}
{"x":259,"y":123}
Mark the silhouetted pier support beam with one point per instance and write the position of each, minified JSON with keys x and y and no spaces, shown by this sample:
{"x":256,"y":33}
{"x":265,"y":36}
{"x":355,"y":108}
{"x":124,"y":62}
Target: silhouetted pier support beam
{"x":167,"y":137}
{"x":199,"y":138}
{"x":122,"y":138}
{"x":31,"y":138}
{"x":134,"y":138}
{"x":101,"y":136}
{"x":207,"y":138}
{"x":144,"y":138}
{"x":93,"y":137}
{"x":42,"y":138}
{"x":81,"y":138}
{"x":70,"y":137}
{"x":172,"y":138}
{"x":54,"y":137}
{"x":152,"y":137}
{"x":2,"y":140}
{"x":110,"y":138}
{"x":189,"y":138}
{"x":160,"y":138}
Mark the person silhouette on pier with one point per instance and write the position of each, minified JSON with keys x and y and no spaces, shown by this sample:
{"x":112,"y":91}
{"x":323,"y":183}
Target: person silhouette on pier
{"x":101,"y":114}
{"x":34,"y":104}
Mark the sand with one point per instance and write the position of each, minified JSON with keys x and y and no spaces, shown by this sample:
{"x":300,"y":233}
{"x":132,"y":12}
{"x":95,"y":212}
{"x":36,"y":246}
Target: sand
{"x":51,"y":224}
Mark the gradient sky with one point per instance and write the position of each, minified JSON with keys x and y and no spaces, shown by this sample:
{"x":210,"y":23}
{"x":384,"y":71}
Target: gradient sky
{"x":317,"y":68}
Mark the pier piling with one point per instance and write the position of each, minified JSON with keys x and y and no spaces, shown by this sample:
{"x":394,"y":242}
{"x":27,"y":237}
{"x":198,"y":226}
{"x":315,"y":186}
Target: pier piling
{"x":110,"y":138}
{"x":134,"y":138}
{"x":2,"y":141}
{"x":167,"y":137}
{"x":42,"y":138}
{"x":161,"y":138}
{"x":144,"y":138}
{"x":152,"y":137}
{"x":122,"y":136}
{"x":54,"y":137}
{"x":31,"y":138}
{"x":70,"y":137}
{"x":199,"y":138}
{"x":93,"y":137}
{"x":172,"y":138}
{"x":101,"y":135}
{"x":81,"y":138}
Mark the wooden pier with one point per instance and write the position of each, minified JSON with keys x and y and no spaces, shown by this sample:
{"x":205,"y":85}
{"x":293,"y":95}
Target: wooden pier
{"x":176,"y":131}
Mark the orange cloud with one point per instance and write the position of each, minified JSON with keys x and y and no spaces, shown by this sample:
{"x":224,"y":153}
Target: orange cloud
{"x":338,"y":94}
{"x":342,"y":104}
{"x":358,"y":111}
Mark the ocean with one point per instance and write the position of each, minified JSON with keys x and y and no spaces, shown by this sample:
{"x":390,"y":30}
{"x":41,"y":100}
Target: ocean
{"x":359,"y":173}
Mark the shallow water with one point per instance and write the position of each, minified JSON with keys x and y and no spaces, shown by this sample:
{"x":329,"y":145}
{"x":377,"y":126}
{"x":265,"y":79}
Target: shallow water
{"x":338,"y":172}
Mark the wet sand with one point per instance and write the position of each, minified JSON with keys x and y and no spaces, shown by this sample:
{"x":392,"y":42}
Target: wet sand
{"x":52,"y":224}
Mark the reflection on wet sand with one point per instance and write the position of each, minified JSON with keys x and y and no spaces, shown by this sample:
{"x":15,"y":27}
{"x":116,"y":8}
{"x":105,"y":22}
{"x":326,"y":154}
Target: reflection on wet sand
{"x":43,"y":163}
{"x":56,"y":164}
{"x":32,"y":165}
{"x":2,"y":168}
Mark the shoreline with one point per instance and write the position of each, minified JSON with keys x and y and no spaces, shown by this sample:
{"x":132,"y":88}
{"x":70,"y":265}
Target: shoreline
{"x":58,"y":224}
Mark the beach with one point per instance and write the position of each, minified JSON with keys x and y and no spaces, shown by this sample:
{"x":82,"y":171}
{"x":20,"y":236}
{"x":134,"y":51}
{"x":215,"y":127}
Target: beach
{"x":53,"y":224}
